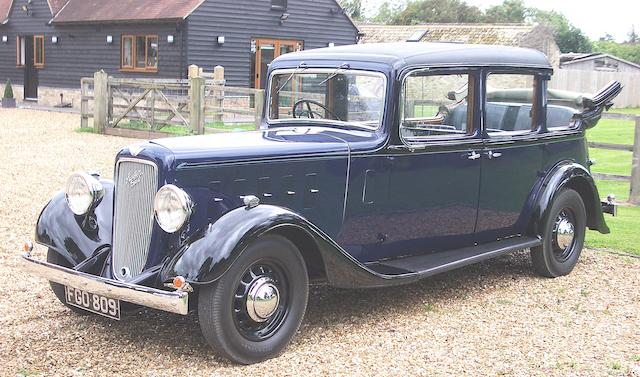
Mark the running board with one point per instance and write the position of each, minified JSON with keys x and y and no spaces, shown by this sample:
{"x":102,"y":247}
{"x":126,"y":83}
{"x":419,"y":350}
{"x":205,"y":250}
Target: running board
{"x":435,"y":263}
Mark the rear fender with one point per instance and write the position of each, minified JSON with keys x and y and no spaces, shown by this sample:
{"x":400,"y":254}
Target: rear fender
{"x":76,"y":238}
{"x":568,"y":174}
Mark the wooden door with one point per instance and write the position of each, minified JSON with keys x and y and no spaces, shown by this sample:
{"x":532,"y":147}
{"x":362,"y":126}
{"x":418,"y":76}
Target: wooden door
{"x":266,"y":51}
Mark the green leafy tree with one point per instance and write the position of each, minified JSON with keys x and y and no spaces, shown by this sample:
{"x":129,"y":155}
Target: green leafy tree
{"x":510,"y":11}
{"x":387,"y":12}
{"x":568,"y":37}
{"x":633,"y":36}
{"x":353,"y":8}
{"x":626,"y":51}
{"x":8,"y":90}
{"x":438,"y":11}
{"x":607,"y":37}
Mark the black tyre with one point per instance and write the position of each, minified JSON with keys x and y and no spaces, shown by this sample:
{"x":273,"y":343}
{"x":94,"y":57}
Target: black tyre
{"x":58,"y":289}
{"x":563,"y":236}
{"x":252,"y":312}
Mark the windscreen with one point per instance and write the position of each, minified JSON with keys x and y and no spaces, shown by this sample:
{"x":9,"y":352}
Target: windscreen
{"x":328,"y":96}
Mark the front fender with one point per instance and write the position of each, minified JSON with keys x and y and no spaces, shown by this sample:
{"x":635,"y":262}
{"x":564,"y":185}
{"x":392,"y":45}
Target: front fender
{"x":210,"y":256}
{"x":568,"y":174}
{"x":76,"y":238}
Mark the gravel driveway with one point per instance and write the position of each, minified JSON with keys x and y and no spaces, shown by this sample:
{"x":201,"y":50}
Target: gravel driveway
{"x":493,"y":318}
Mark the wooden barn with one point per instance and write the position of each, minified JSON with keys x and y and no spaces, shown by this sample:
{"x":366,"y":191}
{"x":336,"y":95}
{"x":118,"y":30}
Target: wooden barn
{"x":46,"y":46}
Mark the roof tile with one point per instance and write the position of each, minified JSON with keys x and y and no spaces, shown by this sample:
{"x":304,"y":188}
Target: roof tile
{"x":494,"y":34}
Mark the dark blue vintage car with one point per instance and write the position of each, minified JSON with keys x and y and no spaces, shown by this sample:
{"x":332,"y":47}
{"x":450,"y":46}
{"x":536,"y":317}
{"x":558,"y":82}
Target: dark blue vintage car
{"x":376,"y":165}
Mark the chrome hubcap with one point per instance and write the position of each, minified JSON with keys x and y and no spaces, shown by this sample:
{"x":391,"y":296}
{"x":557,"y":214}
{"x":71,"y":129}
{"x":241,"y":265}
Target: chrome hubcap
{"x":564,"y":235}
{"x":263,"y":299}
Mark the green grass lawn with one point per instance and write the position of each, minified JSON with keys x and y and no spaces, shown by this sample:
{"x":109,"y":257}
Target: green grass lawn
{"x":625,"y":228}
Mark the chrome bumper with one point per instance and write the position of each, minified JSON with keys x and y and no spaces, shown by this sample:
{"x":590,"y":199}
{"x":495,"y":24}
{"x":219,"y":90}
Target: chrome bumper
{"x":174,"y":302}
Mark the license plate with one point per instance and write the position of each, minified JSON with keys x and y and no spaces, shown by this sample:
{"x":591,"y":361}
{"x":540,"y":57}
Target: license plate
{"x":92,"y":302}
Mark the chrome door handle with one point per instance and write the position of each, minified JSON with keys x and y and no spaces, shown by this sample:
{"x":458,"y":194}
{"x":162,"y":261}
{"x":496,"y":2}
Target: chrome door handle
{"x":492,"y":154}
{"x":474,"y":155}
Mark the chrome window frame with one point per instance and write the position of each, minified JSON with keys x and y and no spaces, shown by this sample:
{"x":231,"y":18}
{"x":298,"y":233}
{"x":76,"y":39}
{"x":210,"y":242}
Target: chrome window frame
{"x":326,"y":122}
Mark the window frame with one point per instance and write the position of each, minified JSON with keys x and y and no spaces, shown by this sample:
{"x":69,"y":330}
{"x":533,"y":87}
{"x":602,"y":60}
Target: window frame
{"x":38,"y":39}
{"x":21,"y":56}
{"x":474,"y":76}
{"x":537,"y":118}
{"x":134,"y":53}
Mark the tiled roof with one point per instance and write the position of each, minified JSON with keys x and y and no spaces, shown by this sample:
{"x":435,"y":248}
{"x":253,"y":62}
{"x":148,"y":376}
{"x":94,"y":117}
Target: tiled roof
{"x":56,"y":5}
{"x":492,"y":34}
{"x":125,"y":10}
{"x":5,"y":8}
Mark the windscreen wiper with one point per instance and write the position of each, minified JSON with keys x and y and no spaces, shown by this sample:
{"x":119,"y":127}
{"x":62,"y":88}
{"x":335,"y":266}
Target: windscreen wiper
{"x":300,"y":68}
{"x":335,"y":73}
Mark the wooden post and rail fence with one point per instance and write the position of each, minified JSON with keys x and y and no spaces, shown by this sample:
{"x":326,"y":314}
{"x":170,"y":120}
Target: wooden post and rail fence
{"x":634,"y":179}
{"x":144,"y":108}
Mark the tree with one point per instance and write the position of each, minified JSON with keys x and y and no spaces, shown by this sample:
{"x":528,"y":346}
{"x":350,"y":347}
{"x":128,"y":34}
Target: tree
{"x":438,"y":11}
{"x":633,"y":37}
{"x":510,"y":11}
{"x":568,"y":37}
{"x":607,"y":37}
{"x":387,"y":13}
{"x":353,"y":8}
{"x":626,"y":51}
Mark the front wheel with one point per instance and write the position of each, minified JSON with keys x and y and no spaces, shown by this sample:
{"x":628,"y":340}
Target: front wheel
{"x":563,"y":236}
{"x":251,"y":313}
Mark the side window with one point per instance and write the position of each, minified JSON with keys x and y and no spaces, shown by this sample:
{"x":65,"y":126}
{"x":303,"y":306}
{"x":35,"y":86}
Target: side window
{"x":509,"y":107}
{"x":436,"y":106}
{"x":561,"y":107}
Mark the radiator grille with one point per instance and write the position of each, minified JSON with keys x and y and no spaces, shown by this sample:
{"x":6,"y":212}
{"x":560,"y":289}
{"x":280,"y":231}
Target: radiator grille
{"x":136,"y":186}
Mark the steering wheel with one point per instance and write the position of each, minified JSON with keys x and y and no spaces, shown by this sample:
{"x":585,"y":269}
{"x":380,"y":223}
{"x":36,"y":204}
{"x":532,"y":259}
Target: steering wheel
{"x":312,"y":114}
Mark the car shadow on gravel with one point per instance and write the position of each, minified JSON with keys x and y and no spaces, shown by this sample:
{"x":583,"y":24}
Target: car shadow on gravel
{"x":328,"y":307}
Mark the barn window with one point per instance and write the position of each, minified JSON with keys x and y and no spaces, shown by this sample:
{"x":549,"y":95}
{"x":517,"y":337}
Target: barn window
{"x":139,"y":53}
{"x":38,"y":51}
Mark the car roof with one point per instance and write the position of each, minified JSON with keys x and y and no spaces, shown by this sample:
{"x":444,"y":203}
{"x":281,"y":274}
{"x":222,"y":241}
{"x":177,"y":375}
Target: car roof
{"x":406,"y":54}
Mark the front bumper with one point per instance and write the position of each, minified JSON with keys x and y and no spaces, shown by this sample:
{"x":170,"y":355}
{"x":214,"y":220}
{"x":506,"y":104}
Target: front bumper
{"x":173,"y":302}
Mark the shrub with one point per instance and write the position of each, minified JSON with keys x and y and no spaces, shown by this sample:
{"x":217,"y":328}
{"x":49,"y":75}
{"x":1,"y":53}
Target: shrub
{"x":8,"y":90}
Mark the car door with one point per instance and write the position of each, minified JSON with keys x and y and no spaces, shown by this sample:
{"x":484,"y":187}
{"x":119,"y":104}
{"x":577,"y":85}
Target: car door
{"x":420,"y":195}
{"x":512,"y":157}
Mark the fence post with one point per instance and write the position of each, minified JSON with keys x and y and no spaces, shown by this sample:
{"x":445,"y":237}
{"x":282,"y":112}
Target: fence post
{"x":259,"y":107}
{"x":218,"y":94}
{"x":100,"y":101}
{"x":84,"y":103}
{"x":634,"y":195}
{"x":196,"y":100}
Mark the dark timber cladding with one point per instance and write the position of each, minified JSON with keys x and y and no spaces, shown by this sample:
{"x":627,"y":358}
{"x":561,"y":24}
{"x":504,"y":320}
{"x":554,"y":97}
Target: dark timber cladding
{"x":81,"y":28}
{"x":316,"y":23}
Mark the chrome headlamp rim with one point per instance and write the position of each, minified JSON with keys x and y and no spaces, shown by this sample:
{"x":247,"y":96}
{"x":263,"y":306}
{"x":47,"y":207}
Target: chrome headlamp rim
{"x":94,"y":189}
{"x":186,"y":205}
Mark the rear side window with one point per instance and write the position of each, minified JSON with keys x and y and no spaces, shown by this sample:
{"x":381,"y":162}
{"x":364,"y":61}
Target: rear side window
{"x":436,"y":106}
{"x":509,"y":106}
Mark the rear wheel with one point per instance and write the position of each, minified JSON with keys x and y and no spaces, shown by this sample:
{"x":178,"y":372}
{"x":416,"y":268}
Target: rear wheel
{"x":252,"y":312}
{"x":58,"y":289}
{"x":563,"y":236}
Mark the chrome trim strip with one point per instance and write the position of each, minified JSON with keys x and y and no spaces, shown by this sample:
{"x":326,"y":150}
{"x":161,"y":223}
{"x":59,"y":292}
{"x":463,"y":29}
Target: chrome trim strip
{"x":173,"y":302}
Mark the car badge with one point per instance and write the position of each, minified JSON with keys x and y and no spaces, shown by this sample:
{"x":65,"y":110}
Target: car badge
{"x":135,"y":150}
{"x":134,"y":177}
